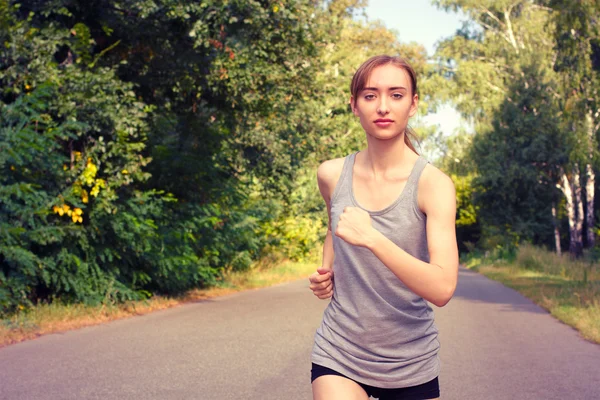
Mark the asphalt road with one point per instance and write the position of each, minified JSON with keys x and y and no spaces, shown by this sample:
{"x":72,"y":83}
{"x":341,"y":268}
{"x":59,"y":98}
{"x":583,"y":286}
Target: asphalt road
{"x":256,"y":345}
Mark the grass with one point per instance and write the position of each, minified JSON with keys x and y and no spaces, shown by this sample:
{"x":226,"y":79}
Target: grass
{"x":568,"y":289}
{"x":50,"y":318}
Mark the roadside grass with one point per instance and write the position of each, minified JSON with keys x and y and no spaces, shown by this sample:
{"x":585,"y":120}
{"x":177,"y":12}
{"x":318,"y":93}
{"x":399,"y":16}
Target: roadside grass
{"x":51,"y":318}
{"x":269,"y":273}
{"x":568,"y":289}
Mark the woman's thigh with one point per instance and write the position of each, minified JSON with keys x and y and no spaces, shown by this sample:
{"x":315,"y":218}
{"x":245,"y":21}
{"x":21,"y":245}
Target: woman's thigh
{"x":334,"y":387}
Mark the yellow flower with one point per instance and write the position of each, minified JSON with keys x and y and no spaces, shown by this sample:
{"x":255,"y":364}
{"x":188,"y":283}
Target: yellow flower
{"x":69,"y":212}
{"x":84,"y":196}
{"x":124,"y":172}
{"x":60,"y":210}
{"x":12,"y":168}
{"x":76,"y":218}
{"x":100,"y":183}
{"x":77,"y":211}
{"x":64,"y":167}
{"x":275,"y":8}
{"x":89,"y":173}
{"x":77,"y":155}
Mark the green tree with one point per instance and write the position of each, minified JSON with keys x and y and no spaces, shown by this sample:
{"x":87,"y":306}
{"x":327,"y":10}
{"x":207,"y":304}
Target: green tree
{"x":577,"y":38}
{"x":73,"y":136}
{"x":517,"y":152}
{"x":518,"y":161}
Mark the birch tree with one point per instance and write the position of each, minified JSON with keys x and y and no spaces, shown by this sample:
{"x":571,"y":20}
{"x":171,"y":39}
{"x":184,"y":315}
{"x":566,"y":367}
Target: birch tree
{"x":577,"y":38}
{"x":501,"y":66}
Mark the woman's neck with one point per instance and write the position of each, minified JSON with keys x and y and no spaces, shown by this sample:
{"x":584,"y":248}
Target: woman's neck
{"x":384,"y":156}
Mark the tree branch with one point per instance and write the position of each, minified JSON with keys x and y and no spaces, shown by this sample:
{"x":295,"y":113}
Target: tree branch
{"x":509,"y":28}
{"x":491,"y":14}
{"x":494,"y":87}
{"x":541,"y":7}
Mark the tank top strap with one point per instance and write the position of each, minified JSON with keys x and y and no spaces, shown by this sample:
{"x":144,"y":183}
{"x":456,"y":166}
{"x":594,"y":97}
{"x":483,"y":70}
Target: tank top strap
{"x":413,"y":180}
{"x":344,"y":184}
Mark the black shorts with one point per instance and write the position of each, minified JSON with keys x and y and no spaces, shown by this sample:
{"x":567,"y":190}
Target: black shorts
{"x":429,"y":390}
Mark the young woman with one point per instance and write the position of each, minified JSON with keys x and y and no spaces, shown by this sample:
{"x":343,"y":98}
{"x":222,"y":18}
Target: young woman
{"x":392,"y":231}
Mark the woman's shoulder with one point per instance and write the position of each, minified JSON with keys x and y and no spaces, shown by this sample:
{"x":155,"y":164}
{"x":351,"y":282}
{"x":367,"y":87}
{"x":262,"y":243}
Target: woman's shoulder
{"x":330,"y":168}
{"x":435,"y":186}
{"x":328,"y":174}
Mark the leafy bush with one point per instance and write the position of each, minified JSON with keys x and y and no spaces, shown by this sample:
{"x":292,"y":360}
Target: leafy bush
{"x":150,"y":147}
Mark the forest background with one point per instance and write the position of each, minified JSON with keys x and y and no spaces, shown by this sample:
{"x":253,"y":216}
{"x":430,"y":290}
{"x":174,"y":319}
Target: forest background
{"x":150,"y":147}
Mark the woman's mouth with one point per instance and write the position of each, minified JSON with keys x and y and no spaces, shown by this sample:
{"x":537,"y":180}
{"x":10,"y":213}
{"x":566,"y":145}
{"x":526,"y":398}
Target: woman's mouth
{"x":383,"y":122}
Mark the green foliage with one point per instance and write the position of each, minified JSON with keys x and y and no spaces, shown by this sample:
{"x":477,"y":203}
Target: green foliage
{"x":467,"y":212}
{"x":301,"y":226}
{"x":577,"y":45}
{"x":467,"y":223}
{"x":541,"y":260}
{"x":507,"y":78}
{"x":499,"y":254}
{"x":74,"y":225}
{"x":577,"y":39}
{"x":150,"y":147}
{"x":519,"y":160}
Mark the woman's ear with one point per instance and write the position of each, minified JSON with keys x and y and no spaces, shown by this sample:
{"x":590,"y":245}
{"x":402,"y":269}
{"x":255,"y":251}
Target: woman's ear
{"x":414,"y":106}
{"x":353,"y":106}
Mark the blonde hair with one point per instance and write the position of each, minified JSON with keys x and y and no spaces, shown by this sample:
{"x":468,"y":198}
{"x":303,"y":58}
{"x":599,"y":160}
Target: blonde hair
{"x":362,"y":74}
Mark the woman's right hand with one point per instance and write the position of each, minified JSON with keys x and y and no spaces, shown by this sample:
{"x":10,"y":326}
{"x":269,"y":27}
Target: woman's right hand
{"x":321,"y":283}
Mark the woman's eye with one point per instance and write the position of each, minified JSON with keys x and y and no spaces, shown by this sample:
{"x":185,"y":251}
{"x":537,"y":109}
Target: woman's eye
{"x":369,"y":97}
{"x":397,"y":96}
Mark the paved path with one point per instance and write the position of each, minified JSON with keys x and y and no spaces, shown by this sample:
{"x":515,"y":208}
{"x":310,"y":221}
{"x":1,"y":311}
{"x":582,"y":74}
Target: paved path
{"x":256,"y":345}
{"x":496,"y":344}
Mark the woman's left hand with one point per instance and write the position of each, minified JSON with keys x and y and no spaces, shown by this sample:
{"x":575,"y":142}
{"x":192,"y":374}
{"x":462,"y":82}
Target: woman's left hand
{"x":355,"y":227}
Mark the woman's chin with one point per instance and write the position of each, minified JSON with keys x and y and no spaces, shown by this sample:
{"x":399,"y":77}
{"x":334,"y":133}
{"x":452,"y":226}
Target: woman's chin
{"x":385,"y":135}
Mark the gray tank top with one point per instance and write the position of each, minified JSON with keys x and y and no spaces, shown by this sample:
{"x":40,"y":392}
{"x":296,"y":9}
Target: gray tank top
{"x":375,"y":330}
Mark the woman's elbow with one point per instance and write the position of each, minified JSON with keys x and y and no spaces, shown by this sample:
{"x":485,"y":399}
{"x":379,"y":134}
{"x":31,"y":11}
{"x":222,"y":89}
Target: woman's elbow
{"x":444,"y":296}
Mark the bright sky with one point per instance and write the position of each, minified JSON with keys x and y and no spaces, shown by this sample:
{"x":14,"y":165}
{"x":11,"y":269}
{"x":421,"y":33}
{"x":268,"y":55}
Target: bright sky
{"x":415,"y":20}
{"x":419,"y":21}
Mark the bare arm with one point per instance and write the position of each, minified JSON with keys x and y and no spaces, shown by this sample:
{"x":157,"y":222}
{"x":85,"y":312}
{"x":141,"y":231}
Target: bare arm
{"x":321,"y":282}
{"x":436,"y":280}
{"x":328,"y":252}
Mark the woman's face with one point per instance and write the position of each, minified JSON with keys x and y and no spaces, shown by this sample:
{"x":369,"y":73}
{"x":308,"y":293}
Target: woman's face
{"x":386,"y":102}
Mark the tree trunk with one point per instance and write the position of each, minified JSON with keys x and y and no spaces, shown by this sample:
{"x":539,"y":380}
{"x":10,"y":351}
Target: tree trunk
{"x":556,"y":231}
{"x":578,"y":250}
{"x":575,"y":245}
{"x":589,"y":205}
{"x":590,"y":182}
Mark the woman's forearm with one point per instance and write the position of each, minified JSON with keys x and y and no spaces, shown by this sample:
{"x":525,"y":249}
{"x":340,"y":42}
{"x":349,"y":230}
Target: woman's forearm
{"x":433,"y":282}
{"x":328,"y":254}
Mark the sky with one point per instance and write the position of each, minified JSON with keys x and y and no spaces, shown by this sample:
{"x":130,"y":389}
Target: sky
{"x":415,"y":20}
{"x":420,"y":21}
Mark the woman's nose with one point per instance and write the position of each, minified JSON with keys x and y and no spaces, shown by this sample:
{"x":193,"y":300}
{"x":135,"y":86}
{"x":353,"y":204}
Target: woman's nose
{"x":383,"y":107}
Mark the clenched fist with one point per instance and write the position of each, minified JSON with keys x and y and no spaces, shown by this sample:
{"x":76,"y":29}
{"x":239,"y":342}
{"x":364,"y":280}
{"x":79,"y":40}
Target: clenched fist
{"x":321,"y":283}
{"x":355,"y":227}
